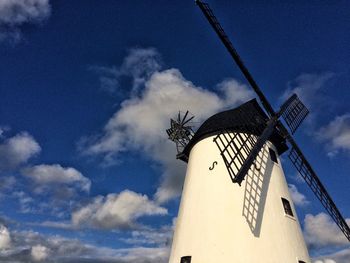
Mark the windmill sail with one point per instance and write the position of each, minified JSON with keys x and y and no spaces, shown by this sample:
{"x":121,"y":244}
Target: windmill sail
{"x":293,"y":112}
{"x":236,"y":147}
{"x":230,"y":48}
{"x":239,"y":151}
{"x":310,"y":177}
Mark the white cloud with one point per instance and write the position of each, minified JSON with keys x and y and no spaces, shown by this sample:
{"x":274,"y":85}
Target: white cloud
{"x":235,"y":93}
{"x":307,"y":87}
{"x":29,"y":246}
{"x":39,"y":253}
{"x":25,"y":201}
{"x":116,"y":211}
{"x":141,"y":122}
{"x":7,"y":183}
{"x":56,"y":174}
{"x":298,"y":198}
{"x":144,"y":254}
{"x":296,"y":177}
{"x":15,"y":13}
{"x":160,"y":237}
{"x":5,"y":239}
{"x":17,"y":150}
{"x":53,"y":224}
{"x":148,"y":116}
{"x":320,"y":231}
{"x":323,"y":235}
{"x":139,"y":64}
{"x":312,"y":91}
{"x":326,"y":260}
{"x":336,"y":134}
{"x":342,"y":256}
{"x":108,"y":76}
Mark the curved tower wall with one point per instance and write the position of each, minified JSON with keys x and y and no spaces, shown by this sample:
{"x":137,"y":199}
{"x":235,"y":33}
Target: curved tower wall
{"x":222,"y":222}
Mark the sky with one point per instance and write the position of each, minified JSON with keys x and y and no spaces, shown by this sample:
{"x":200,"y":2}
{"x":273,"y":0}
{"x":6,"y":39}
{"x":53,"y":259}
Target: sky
{"x":87,"y":89}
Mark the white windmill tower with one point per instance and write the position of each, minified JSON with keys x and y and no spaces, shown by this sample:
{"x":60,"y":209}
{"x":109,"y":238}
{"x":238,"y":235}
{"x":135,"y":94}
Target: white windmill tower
{"x":252,"y":220}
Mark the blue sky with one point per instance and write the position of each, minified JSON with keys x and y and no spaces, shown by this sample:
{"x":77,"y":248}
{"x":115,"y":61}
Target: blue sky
{"x":88,"y":87}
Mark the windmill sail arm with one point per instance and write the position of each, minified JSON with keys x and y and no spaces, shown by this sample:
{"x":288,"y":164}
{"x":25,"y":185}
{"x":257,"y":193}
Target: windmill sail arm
{"x":293,"y":112}
{"x":310,"y":177}
{"x":266,"y":134}
{"x":230,"y":48}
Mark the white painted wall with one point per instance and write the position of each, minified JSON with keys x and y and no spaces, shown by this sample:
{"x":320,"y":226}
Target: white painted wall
{"x":222,"y":222}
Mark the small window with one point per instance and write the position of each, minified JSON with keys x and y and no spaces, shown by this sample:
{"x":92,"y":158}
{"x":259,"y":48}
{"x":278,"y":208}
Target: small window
{"x":273,"y":155}
{"x":287,"y":207}
{"x":300,"y":261}
{"x":186,"y":259}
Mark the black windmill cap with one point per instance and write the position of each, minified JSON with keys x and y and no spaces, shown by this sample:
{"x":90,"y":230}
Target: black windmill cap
{"x":247,"y":118}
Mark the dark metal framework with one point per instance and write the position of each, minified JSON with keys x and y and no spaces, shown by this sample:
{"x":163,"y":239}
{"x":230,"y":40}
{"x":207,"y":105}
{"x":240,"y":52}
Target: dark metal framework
{"x":235,"y":147}
{"x":230,"y":48}
{"x":293,"y":111}
{"x":181,"y":131}
{"x":240,"y":153}
{"x":314,"y":183}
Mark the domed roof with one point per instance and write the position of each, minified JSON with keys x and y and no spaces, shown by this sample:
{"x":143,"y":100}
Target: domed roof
{"x":247,"y":118}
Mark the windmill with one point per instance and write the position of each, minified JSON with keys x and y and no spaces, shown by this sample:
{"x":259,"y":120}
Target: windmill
{"x":255,"y":220}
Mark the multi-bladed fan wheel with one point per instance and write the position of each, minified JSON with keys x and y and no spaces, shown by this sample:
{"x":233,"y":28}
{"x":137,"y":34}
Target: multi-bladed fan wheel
{"x":185,"y":119}
{"x":181,"y":130}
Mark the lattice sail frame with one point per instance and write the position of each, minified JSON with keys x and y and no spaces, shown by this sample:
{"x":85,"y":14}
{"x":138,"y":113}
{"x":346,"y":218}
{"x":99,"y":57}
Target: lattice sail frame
{"x":235,"y":147}
{"x":312,"y":180}
{"x":296,"y":113}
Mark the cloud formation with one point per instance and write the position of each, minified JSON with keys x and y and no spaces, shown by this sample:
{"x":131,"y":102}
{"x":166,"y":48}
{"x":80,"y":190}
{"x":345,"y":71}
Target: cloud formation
{"x":306,"y":86}
{"x":7,"y":183}
{"x":298,"y":198}
{"x":15,"y":13}
{"x":323,"y":235}
{"x":5,"y":239}
{"x":2,"y":131}
{"x":17,"y":150}
{"x":312,"y":91}
{"x":142,"y":119}
{"x":161,"y":237}
{"x":342,"y":256}
{"x":320,"y":231}
{"x":336,"y":135}
{"x":30,"y":246}
{"x":326,"y":260}
{"x":139,"y":64}
{"x":39,"y":253}
{"x":25,"y":201}
{"x":53,"y":181}
{"x":55,"y":174}
{"x":116,"y":211}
